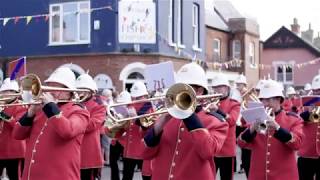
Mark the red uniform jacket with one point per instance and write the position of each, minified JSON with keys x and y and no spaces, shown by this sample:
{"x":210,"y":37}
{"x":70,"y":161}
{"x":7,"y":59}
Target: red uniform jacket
{"x":297,"y":104}
{"x":132,"y":139}
{"x":231,"y":108}
{"x":11,"y":148}
{"x":184,"y":153}
{"x":53,"y":147}
{"x":91,"y":156}
{"x":292,"y":105}
{"x":311,"y":143}
{"x":287,"y":105}
{"x":273,"y":155}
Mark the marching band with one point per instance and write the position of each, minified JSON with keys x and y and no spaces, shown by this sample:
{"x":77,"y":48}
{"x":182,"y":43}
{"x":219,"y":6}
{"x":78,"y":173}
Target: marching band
{"x":188,"y":134}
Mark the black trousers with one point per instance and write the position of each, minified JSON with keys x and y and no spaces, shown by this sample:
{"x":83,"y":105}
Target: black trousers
{"x":245,"y":160}
{"x":114,"y":155}
{"x":309,"y":169}
{"x":225,"y":165}
{"x":14,"y":168}
{"x":128,"y":168}
{"x":90,"y":174}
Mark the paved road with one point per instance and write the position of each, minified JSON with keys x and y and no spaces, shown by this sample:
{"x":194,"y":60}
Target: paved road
{"x":137,"y":175}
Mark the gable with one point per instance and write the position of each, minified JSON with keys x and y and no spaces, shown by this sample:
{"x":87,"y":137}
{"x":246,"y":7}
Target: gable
{"x":284,"y":39}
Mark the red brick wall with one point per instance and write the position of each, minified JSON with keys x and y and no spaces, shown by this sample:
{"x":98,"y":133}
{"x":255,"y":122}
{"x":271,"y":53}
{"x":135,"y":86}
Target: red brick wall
{"x":96,"y":64}
{"x":212,"y":34}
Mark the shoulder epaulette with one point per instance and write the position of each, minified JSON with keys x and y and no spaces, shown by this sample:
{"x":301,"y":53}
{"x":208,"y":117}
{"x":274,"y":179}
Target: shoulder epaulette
{"x":293,"y":114}
{"x":80,"y":105}
{"x":98,"y":100}
{"x":217,"y":115}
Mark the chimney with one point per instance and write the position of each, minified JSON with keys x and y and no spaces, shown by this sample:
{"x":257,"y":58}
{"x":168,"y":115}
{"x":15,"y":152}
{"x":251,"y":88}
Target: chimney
{"x":295,"y":27}
{"x":308,"y":34}
{"x":316,"y":41}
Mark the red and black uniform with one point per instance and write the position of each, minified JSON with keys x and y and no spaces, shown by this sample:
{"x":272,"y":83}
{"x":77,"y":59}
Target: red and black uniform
{"x":12,"y":151}
{"x":54,"y":136}
{"x":224,"y":160}
{"x":91,"y":156}
{"x":309,"y":153}
{"x":132,"y":141}
{"x":185,"y":148}
{"x":274,"y":153}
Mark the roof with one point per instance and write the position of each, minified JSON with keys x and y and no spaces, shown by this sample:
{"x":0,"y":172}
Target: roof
{"x":227,"y":10}
{"x":212,"y":19}
{"x":284,"y":38}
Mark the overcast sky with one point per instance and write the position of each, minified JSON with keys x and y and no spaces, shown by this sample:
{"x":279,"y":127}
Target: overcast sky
{"x":272,"y":14}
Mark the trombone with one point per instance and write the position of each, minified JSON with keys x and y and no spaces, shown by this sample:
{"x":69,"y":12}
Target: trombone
{"x":31,"y":83}
{"x":180,"y":102}
{"x":7,"y":97}
{"x":250,"y":95}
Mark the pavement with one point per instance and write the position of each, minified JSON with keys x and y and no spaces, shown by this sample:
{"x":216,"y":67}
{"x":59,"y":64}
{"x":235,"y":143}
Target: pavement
{"x":137,"y":175}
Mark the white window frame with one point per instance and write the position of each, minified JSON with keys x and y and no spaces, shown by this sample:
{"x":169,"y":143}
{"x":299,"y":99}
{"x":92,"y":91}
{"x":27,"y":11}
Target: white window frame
{"x":78,"y":41}
{"x":217,"y":50}
{"x":195,"y":27}
{"x":171,"y":23}
{"x":234,"y":53}
{"x":252,"y":53}
{"x":276,"y":64}
{"x":179,"y":25}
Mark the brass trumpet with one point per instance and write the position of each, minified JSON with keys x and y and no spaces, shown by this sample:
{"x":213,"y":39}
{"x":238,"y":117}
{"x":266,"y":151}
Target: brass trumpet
{"x":315,"y":115}
{"x":180,"y":102}
{"x":31,"y":83}
{"x":249,"y":95}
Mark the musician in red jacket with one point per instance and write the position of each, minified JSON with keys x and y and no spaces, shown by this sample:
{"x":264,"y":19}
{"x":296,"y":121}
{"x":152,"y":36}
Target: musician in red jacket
{"x":183,"y":149}
{"x":54,"y":132}
{"x":230,"y":110}
{"x":132,"y":140}
{"x":11,"y":150}
{"x":116,"y":148}
{"x":91,"y":156}
{"x":292,"y":103}
{"x":309,"y":153}
{"x":273,"y":154}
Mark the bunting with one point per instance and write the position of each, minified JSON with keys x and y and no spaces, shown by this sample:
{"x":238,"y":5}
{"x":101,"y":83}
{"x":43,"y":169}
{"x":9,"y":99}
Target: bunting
{"x":180,"y":51}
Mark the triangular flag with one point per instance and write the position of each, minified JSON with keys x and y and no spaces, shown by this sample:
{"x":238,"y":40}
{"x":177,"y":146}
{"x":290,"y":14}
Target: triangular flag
{"x":29,"y":19}
{"x":5,"y":21}
{"x":16,"y":19}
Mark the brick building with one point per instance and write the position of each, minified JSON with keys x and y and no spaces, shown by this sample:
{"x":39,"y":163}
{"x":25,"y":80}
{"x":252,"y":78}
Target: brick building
{"x":285,"y":50}
{"x":229,"y":36}
{"x":112,"y":39}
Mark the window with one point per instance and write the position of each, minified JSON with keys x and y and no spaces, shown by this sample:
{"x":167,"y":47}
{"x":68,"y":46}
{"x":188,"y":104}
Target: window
{"x":284,"y":73}
{"x":252,"y":59}
{"x":69,"y":23}
{"x":236,"y":49}
{"x":171,"y":24}
{"x":216,"y":50}
{"x":195,"y":26}
{"x":180,"y":22}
